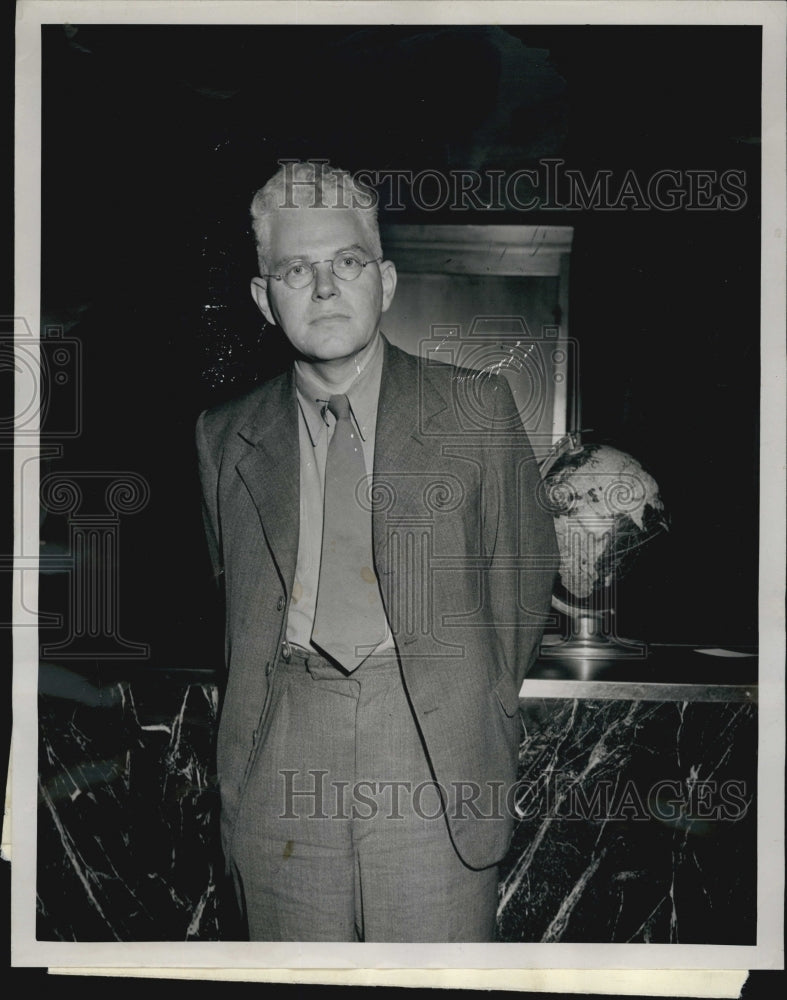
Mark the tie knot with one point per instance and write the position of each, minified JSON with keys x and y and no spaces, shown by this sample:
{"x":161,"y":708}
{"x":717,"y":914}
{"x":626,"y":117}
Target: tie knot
{"x":339,"y":407}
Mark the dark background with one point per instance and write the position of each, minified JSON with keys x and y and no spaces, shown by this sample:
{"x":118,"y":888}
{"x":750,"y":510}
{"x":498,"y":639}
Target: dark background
{"x":155,"y":139}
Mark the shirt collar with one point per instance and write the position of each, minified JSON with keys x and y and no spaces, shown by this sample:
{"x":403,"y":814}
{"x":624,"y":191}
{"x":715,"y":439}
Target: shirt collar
{"x":362,"y":393}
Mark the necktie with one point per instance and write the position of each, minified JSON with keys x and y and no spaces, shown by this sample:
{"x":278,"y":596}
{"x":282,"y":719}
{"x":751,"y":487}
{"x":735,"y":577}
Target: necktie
{"x":349,"y":619}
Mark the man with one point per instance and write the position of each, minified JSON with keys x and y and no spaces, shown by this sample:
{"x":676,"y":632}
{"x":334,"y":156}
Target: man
{"x":387,"y":571}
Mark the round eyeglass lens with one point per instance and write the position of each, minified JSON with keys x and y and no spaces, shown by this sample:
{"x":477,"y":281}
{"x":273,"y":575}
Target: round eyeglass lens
{"x":347,"y":266}
{"x":299,"y":275}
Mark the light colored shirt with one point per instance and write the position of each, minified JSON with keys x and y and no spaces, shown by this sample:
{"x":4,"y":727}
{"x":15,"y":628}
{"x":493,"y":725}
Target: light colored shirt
{"x":315,"y":430}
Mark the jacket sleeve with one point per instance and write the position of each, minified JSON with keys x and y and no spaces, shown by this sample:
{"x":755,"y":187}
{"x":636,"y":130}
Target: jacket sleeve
{"x":519,"y":538}
{"x":208,"y":474}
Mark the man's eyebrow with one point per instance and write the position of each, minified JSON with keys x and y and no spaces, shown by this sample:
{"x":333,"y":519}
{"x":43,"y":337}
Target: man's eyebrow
{"x":299,"y":256}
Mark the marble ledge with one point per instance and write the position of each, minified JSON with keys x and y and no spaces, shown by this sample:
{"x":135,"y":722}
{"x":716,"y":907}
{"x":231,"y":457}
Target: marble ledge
{"x":649,"y":673}
{"x":600,"y":690}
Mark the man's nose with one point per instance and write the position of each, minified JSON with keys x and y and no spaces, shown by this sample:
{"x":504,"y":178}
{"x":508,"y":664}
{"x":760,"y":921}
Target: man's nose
{"x":325,"y":281}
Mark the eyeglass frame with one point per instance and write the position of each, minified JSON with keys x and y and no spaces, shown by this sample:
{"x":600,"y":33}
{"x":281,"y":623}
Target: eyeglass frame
{"x":328,"y":260}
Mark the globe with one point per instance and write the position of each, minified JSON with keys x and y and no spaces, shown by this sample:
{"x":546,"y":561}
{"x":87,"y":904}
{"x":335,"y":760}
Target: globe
{"x":605,"y":507}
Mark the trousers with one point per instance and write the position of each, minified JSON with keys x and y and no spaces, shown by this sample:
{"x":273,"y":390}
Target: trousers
{"x":341,"y":835}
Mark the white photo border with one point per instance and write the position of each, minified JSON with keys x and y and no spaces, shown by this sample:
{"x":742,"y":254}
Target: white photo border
{"x":767,"y":953}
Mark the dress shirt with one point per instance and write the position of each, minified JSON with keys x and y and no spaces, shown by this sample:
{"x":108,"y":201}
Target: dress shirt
{"x":315,"y":430}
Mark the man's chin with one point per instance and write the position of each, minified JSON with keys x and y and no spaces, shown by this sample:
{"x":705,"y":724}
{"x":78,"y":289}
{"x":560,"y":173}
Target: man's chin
{"x":329,"y":348}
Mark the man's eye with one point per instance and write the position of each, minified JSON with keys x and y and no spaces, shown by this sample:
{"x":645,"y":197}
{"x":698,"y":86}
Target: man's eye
{"x":348,"y":261}
{"x":297,"y":270}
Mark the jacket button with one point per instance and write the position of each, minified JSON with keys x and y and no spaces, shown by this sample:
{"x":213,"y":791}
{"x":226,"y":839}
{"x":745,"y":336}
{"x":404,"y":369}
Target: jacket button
{"x":280,"y":603}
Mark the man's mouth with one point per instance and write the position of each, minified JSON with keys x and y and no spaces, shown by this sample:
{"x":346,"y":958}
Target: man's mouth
{"x":327,"y":317}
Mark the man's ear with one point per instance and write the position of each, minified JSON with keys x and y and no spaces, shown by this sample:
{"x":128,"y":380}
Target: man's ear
{"x":259,"y":292}
{"x":388,"y":277}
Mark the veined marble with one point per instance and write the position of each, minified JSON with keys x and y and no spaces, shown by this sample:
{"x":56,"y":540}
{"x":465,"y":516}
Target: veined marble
{"x":636,"y":820}
{"x":638,"y":824}
{"x":128,"y":816}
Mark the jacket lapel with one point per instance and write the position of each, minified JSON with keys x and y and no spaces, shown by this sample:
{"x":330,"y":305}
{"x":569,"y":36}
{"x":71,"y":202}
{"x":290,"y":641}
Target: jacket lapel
{"x":271,"y":471}
{"x":404,"y":452}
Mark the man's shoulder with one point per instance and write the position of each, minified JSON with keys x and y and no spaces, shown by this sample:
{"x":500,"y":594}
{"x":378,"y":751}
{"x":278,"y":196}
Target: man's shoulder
{"x":440,"y":371}
{"x":233,"y":414}
{"x":443,"y":376}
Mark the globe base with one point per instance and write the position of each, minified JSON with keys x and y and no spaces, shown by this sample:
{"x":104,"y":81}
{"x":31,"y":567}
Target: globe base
{"x":589,"y":639}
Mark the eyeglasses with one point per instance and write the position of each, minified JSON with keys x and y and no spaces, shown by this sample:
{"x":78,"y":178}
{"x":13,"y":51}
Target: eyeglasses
{"x":300,"y":273}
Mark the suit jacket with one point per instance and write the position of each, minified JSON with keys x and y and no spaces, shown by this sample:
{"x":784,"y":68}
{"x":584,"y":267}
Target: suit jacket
{"x":465,"y":554}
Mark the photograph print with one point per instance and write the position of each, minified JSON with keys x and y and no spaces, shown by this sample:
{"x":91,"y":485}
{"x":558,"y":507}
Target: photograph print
{"x":396,"y":493}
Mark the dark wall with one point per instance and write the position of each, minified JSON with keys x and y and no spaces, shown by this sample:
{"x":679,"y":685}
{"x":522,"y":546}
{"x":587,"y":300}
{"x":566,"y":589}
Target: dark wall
{"x":155,"y":139}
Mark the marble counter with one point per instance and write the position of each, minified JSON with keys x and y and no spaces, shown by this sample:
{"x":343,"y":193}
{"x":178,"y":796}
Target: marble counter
{"x":638,"y":823}
{"x":128,"y":809}
{"x":636,"y":816}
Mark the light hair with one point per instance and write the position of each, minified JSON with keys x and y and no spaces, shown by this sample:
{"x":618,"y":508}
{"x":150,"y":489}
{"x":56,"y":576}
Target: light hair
{"x":312,"y":184}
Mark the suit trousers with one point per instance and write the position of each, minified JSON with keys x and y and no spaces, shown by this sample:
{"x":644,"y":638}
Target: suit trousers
{"x":341,"y":835}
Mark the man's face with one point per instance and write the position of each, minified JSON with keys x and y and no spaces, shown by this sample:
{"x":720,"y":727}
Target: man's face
{"x":330,"y":319}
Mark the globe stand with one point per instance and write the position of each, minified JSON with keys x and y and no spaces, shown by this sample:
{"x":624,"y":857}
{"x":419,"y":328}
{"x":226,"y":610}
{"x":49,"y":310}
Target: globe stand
{"x":605,"y":507}
{"x":590,"y":643}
